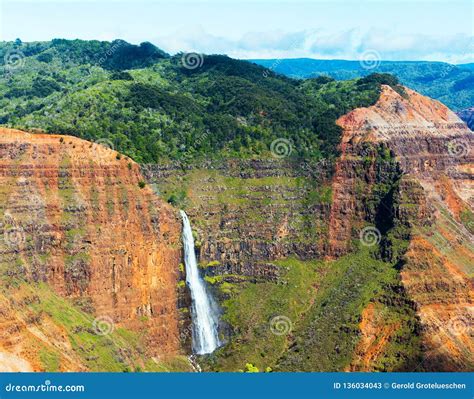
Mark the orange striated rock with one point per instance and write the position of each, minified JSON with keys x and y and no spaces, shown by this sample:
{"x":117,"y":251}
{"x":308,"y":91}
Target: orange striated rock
{"x":72,"y":213}
{"x":427,"y":139}
{"x":439,"y":284}
{"x":434,"y":151}
{"x":375,"y":334}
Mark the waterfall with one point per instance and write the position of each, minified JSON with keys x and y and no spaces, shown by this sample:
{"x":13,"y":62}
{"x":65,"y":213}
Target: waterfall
{"x":204,"y":310}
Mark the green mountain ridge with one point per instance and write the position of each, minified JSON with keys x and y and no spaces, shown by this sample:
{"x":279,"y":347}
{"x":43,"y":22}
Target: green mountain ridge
{"x":451,"y":84}
{"x":154,"y":107}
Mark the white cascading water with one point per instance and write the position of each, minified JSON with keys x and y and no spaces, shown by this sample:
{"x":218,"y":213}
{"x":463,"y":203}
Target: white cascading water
{"x":204,"y":311}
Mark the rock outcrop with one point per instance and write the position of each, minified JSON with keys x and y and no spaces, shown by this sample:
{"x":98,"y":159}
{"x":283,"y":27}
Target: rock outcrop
{"x":78,"y":217}
{"x":431,"y":197}
{"x":426,"y":139}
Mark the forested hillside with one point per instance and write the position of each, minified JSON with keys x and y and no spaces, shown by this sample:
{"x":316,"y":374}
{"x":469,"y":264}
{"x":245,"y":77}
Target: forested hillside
{"x":453,"y":85}
{"x":155,"y":107}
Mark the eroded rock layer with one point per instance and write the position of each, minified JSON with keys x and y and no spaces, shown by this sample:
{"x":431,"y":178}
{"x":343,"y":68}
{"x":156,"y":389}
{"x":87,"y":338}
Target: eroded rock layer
{"x":78,"y":217}
{"x":430,"y":203}
{"x":248,"y":212}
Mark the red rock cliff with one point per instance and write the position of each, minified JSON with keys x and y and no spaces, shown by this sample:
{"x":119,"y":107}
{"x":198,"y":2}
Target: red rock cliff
{"x":75,"y":215}
{"x":434,"y":154}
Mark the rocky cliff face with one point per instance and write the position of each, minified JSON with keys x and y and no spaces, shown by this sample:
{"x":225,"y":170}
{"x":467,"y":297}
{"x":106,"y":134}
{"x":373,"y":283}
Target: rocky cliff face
{"x":76,"y":217}
{"x":425,"y":138}
{"x":430,"y":203}
{"x":247,"y":213}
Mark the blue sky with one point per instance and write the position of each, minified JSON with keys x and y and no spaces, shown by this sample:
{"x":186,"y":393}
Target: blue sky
{"x":397,"y":30}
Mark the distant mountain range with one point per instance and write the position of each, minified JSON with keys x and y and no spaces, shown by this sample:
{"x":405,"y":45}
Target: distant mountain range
{"x":467,"y":66}
{"x":451,"y":84}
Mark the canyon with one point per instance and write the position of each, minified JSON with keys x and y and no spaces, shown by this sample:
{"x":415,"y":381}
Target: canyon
{"x":405,"y":168}
{"x":89,"y":239}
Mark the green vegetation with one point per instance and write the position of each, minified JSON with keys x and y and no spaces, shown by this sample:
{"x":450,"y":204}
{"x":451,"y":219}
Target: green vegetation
{"x":450,"y":84}
{"x":319,"y":305}
{"x":250,"y":368}
{"x":467,"y":218}
{"x":120,"y":350}
{"x":210,"y":264}
{"x":50,"y":360}
{"x":154,"y":110}
{"x":177,"y":199}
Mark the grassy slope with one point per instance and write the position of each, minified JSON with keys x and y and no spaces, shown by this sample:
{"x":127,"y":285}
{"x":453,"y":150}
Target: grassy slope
{"x":46,"y":312}
{"x":323,"y":302}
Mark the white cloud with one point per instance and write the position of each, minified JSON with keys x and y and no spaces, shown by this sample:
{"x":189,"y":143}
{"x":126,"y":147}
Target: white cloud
{"x":349,"y":44}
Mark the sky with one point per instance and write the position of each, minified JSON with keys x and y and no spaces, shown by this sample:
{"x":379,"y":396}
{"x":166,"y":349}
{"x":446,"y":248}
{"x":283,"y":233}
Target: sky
{"x":394,"y":30}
